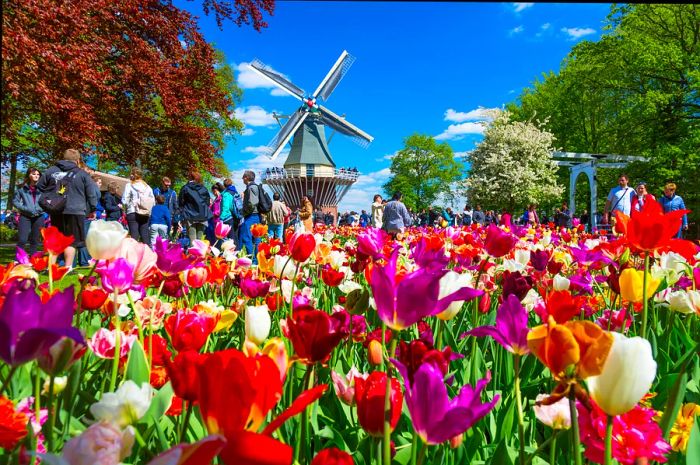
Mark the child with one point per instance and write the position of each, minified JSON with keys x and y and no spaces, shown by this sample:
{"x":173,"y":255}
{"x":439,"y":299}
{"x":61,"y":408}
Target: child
{"x":160,"y":220}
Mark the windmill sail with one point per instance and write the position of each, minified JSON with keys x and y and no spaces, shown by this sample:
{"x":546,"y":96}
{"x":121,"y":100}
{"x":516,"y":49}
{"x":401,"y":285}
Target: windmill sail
{"x":285,"y":133}
{"x":337,"y":72}
{"x":339,"y":124}
{"x":285,"y":84}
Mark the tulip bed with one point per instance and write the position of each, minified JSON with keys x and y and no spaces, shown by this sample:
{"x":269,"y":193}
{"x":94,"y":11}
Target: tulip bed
{"x":502,"y":345}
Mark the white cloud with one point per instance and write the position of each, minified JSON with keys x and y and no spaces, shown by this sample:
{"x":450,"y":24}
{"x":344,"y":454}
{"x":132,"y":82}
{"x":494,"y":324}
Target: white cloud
{"x":458,"y":131}
{"x":545,"y":26}
{"x":577,"y":32}
{"x":480,"y":113}
{"x":519,"y":6}
{"x":516,"y":30}
{"x":460,"y":155}
{"x":249,"y":79}
{"x":361,"y":194}
{"x":247,"y":132}
{"x":254,"y":116}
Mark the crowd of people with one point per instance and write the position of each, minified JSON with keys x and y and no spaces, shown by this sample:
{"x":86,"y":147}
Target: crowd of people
{"x":193,"y":213}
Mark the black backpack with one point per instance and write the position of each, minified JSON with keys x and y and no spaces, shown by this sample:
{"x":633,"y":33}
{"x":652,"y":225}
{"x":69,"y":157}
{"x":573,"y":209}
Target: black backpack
{"x":264,"y":201}
{"x":54,"y":201}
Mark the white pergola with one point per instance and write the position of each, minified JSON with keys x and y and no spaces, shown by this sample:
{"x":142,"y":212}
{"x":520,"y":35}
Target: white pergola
{"x":588,"y":164}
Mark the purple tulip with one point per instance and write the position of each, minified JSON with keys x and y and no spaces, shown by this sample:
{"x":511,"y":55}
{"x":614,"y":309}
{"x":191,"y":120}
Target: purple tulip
{"x":171,"y":259}
{"x":371,"y":242}
{"x":437,"y":418}
{"x":21,"y":256}
{"x":116,"y":276}
{"x":539,"y":259}
{"x":417,"y":295}
{"x":586,"y":257}
{"x":427,"y":257}
{"x":511,"y":327}
{"x":581,"y":282}
{"x":253,"y":288}
{"x":516,"y":283}
{"x":29,"y":327}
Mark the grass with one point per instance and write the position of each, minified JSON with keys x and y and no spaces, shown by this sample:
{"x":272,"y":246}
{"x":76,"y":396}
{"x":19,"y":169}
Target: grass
{"x":7,"y":254}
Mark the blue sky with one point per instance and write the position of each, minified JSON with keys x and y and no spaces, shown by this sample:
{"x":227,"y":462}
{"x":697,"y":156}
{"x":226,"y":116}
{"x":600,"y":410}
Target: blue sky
{"x":420,"y":67}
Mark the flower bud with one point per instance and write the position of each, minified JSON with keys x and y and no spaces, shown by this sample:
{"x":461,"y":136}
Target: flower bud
{"x":104,"y":239}
{"x":257,"y":323}
{"x":59,"y":384}
{"x":197,"y":277}
{"x":374,"y":352}
{"x":60,"y":356}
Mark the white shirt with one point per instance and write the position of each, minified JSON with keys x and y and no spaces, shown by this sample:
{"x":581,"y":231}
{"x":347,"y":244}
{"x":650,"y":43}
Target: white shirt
{"x":620,"y":198}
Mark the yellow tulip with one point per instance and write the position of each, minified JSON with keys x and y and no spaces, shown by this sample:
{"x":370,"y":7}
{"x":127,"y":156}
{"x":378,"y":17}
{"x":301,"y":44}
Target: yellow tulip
{"x":632,"y":284}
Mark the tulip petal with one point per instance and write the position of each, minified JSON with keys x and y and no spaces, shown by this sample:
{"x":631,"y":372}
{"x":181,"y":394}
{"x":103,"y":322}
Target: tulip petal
{"x":300,"y":403}
{"x":248,"y":448}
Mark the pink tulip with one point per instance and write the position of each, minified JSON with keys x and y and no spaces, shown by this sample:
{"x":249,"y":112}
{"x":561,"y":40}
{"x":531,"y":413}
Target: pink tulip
{"x":345,"y":386}
{"x":100,"y":444}
{"x":102,"y":343}
{"x":221,"y":230}
{"x":116,"y":276}
{"x":140,"y":256}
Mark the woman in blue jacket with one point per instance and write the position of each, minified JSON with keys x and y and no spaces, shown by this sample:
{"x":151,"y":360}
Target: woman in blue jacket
{"x":671,"y":202}
{"x":31,"y":216}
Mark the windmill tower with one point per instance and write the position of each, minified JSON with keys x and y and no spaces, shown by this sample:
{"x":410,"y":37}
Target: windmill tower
{"x":309,"y":168}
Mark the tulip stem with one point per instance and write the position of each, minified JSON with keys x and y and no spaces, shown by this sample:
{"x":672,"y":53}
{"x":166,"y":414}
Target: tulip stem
{"x":186,"y":421}
{"x":302,"y":439}
{"x":438,"y":335}
{"x":574,"y":428}
{"x":644,"y":296}
{"x":51,"y":419}
{"x":414,"y":448}
{"x":519,"y":406}
{"x":387,"y":404}
{"x":117,"y":346}
{"x":608,"y":440}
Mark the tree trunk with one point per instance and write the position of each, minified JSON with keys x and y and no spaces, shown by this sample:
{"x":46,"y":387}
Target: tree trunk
{"x":13,"y":180}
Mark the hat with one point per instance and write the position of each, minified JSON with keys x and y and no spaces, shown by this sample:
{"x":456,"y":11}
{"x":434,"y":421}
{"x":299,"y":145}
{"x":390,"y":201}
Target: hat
{"x":641,"y":183}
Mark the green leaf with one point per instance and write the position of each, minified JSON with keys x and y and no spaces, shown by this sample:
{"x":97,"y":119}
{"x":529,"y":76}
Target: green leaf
{"x":160,"y":403}
{"x":673,"y":404}
{"x":693,"y":452}
{"x":504,"y":455}
{"x":137,"y":366}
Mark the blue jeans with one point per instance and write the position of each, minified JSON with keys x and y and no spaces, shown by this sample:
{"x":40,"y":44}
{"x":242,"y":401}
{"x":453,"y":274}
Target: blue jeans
{"x":275,"y":230}
{"x":246,"y":237}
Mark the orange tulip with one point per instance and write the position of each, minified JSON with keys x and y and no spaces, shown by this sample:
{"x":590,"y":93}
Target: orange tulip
{"x":573,"y":350}
{"x":258,"y":230}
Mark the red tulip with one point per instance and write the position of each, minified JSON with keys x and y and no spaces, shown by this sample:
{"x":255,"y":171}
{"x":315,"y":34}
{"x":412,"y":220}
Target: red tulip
{"x":161,"y":355}
{"x":331,"y":277}
{"x":332,"y":456}
{"x":314,"y":333}
{"x":183,"y":372}
{"x":189,"y":330}
{"x":54,"y":241}
{"x":199,"y":453}
{"x":650,"y":229}
{"x":197,"y":277}
{"x":485,"y":303}
{"x":93,"y":298}
{"x":301,"y":246}
{"x":498,"y":242}
{"x":274,"y":301}
{"x":562,"y":306}
{"x":369,"y":395}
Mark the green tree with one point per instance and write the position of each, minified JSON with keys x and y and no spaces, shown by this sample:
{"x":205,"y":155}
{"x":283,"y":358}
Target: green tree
{"x":636,"y":91}
{"x":512,"y":166}
{"x":423,"y":170}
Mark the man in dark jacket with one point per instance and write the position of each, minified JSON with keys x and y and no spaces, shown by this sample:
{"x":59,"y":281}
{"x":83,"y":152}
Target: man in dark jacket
{"x":81,"y":199}
{"x":251,"y":199}
{"x":170,"y":199}
{"x":194,"y":206}
{"x":110,"y":200}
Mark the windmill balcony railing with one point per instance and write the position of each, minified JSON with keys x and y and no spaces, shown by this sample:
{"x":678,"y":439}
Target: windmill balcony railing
{"x":346,"y":174}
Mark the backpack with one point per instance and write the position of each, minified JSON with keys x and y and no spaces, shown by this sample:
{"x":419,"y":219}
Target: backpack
{"x":145,"y":200}
{"x":264,"y":201}
{"x":54,"y":201}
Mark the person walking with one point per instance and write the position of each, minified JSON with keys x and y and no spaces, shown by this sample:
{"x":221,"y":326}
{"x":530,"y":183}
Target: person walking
{"x":170,"y":196}
{"x":619,"y":199}
{"x":138,"y":201}
{"x":161,"y":221}
{"x":478,"y":217}
{"x":215,"y":207}
{"x":467,"y":215}
{"x":396,"y":215}
{"x":251,"y":215}
{"x":306,"y":214}
{"x":31,"y":216}
{"x":640,"y":198}
{"x":81,"y":200}
{"x":231,"y":207}
{"x":276,"y":217}
{"x":533,"y":218}
{"x":193,"y":202}
{"x":83,"y":256}
{"x":671,"y":202}
{"x":377,"y":211}
{"x":110,"y":201}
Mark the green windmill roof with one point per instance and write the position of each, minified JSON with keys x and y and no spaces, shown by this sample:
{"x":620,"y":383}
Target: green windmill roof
{"x":309,"y":146}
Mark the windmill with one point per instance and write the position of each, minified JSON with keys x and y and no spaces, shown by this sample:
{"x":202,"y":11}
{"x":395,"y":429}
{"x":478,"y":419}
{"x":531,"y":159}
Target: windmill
{"x":309,"y":168}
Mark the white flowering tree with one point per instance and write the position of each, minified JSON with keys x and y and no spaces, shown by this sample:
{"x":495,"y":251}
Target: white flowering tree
{"x":512,"y":167}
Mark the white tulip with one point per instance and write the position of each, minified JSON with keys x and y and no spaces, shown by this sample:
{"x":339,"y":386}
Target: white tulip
{"x":347,"y":286}
{"x":124,"y":407}
{"x":627,"y":375}
{"x":522,"y":256}
{"x":279,"y":266}
{"x":336,"y":259}
{"x":684,"y":301}
{"x":257,"y":323}
{"x":450,"y":283}
{"x":556,"y":415}
{"x":104,"y":239}
{"x":561,"y":283}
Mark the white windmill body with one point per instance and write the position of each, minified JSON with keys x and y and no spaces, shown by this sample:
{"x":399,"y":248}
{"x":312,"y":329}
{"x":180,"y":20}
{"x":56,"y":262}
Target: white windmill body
{"x":309,"y":168}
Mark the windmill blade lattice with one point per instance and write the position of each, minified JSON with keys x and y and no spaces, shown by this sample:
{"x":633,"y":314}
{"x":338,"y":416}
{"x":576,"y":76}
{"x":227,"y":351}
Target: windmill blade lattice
{"x":334,"y":76}
{"x":278,"y":79}
{"x":285,"y":133}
